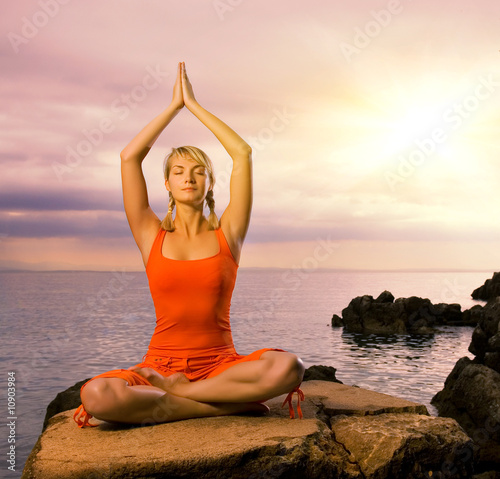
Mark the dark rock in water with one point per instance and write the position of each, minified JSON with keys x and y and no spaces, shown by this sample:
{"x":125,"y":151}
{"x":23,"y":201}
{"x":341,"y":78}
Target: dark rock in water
{"x":450,"y":314}
{"x":364,"y":314}
{"x":485,"y":341}
{"x":321,"y":373}
{"x":65,"y":400}
{"x":337,"y":321}
{"x":489,"y":290}
{"x":472,"y":316}
{"x":471,"y":394}
{"x":404,"y":315}
{"x":385,"y":297}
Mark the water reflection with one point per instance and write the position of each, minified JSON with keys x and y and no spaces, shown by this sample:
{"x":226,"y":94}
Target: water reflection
{"x":413,"y":367}
{"x":379,"y":341}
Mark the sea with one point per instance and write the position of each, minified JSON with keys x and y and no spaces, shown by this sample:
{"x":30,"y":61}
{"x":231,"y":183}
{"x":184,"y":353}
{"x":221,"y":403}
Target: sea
{"x":60,"y":327}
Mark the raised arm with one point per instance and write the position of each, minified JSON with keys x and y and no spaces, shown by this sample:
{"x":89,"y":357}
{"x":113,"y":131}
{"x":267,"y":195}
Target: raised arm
{"x":236,"y":217}
{"x":141,"y":218}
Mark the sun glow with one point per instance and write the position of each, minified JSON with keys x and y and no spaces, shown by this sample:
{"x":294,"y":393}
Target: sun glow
{"x":429,"y":128}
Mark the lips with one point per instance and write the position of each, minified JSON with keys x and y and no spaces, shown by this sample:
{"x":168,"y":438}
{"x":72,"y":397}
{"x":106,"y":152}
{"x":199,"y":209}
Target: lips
{"x":189,"y":189}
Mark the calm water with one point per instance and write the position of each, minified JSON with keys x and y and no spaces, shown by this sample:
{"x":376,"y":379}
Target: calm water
{"x":61,"y":327}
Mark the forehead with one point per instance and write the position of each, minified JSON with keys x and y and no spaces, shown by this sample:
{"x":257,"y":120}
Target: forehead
{"x":183,"y":161}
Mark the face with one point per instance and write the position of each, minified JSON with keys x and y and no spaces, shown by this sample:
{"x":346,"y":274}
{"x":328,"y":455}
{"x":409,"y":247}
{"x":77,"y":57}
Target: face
{"x":188,"y":180}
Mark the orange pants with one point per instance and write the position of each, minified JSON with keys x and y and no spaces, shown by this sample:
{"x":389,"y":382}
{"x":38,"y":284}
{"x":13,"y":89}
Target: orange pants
{"x":194,"y":368}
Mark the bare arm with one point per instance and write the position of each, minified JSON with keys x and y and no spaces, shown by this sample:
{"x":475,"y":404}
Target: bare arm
{"x":236,"y":217}
{"x":143,"y":222}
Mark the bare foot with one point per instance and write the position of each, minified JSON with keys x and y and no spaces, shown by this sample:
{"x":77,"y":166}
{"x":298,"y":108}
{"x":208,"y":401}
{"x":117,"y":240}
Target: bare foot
{"x":167,"y":383}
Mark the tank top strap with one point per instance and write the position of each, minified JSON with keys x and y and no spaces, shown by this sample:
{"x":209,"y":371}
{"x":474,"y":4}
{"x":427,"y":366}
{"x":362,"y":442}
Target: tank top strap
{"x":155,"y":251}
{"x":224,"y":246}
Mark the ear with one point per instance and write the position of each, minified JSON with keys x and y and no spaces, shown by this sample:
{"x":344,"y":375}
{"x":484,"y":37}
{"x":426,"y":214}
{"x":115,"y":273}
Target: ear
{"x":167,"y":186}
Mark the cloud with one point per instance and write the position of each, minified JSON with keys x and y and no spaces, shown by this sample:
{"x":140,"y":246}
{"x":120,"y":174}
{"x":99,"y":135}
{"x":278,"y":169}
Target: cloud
{"x":325,"y":131}
{"x":61,"y":224}
{"x":68,"y":200}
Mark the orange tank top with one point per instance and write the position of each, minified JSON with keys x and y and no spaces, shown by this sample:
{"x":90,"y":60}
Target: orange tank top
{"x":192,"y":299}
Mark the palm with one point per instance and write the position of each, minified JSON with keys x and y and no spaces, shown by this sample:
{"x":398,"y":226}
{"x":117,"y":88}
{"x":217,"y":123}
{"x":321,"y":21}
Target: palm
{"x":178,"y":99}
{"x":187,"y":89}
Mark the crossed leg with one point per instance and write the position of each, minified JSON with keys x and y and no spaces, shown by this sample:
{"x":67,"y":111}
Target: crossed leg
{"x":171,"y":398}
{"x":275,"y":373}
{"x":113,"y":400}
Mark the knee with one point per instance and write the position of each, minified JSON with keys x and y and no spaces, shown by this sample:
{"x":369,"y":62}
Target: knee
{"x":96,"y":397}
{"x":289,"y":371}
{"x":295,"y":370}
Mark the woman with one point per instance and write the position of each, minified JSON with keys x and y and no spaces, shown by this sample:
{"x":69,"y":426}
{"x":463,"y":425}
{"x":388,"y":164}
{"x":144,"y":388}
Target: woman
{"x":191,"y":368}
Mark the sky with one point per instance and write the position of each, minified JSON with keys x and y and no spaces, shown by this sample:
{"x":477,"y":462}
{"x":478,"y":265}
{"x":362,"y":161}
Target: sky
{"x":374,"y":127}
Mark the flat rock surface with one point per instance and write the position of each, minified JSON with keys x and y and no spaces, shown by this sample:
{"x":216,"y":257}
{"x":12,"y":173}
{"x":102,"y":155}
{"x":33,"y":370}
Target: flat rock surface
{"x":342,"y":399}
{"x":254,"y":447}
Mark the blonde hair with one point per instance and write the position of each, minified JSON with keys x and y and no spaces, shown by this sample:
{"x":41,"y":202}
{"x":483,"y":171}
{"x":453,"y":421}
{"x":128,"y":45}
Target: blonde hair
{"x":202,"y":159}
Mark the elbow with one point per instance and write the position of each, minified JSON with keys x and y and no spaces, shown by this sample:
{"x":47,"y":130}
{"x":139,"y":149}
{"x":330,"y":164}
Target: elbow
{"x":248,"y":151}
{"x":245,"y":151}
{"x":124,"y":155}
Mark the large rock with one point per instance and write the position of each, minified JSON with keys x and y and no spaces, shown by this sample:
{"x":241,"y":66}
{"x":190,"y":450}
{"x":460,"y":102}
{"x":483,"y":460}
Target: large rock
{"x":471,"y":393}
{"x":485,"y":343}
{"x":381,"y":445}
{"x":489,"y":290}
{"x":321,"y":373}
{"x":67,"y":399}
{"x":472,"y":397}
{"x":346,"y":432}
{"x":384,"y":315}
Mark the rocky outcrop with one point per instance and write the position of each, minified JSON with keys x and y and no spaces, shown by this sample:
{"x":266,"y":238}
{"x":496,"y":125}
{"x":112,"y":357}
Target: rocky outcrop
{"x":489,"y":290}
{"x":485,"y":342}
{"x":471,"y":393}
{"x":346,"y":432}
{"x":384,"y":315}
{"x":321,"y":373}
{"x":67,"y":399}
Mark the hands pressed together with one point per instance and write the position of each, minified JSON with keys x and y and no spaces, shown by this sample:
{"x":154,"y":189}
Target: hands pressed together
{"x":183,"y":91}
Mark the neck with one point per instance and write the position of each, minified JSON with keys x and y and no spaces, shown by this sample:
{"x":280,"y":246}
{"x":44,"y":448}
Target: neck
{"x":189,"y":222}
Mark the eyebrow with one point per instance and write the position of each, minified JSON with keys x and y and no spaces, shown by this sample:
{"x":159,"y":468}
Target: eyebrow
{"x":181,"y":166}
